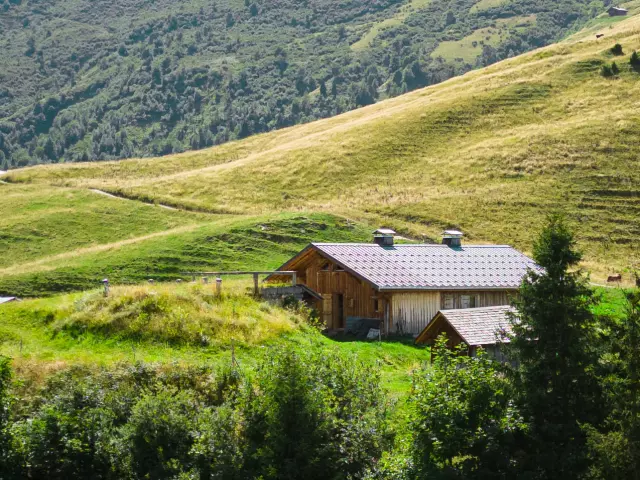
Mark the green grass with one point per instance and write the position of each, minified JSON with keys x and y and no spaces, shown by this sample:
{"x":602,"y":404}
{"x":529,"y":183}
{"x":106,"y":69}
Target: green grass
{"x":166,"y":323}
{"x":44,"y":222}
{"x":483,"y":5}
{"x":491,"y":153}
{"x":376,"y":28}
{"x":231,"y":243}
{"x":468,"y":48}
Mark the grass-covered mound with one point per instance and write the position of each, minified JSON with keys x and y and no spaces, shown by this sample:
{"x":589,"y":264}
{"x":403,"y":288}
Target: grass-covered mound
{"x":163,"y":313}
{"x":191,"y":314}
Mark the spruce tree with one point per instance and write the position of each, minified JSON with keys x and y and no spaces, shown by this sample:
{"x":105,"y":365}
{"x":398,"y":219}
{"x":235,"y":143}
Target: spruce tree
{"x":557,"y":389}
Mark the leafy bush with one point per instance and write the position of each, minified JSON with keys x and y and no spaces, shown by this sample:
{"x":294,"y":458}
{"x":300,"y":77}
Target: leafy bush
{"x":635,"y":59}
{"x":607,"y":70}
{"x":312,"y":414}
{"x":614,"y":68}
{"x":156,"y":440}
{"x":463,"y":412}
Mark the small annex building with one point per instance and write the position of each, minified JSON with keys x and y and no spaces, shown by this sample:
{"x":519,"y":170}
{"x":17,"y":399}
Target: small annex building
{"x":617,"y":11}
{"x":486,"y":327}
{"x":405,"y":285}
{"x":8,"y":299}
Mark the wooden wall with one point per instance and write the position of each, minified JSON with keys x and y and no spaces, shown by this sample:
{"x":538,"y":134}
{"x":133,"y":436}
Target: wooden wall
{"x":413,"y":311}
{"x":358,"y":296}
{"x":489,"y":298}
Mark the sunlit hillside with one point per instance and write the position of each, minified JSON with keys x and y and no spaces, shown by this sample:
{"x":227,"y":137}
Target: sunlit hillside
{"x":491,"y":153}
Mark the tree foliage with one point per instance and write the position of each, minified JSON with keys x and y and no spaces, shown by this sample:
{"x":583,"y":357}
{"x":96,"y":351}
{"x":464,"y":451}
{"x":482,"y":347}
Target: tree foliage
{"x":464,"y":416}
{"x":316,"y":413}
{"x":120,"y":82}
{"x":554,"y":345}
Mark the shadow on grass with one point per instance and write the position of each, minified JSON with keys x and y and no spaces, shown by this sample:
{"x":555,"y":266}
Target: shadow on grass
{"x":408,"y":341}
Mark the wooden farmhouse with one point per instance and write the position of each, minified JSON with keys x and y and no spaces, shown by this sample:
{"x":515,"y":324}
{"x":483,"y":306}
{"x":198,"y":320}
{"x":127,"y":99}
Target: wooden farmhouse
{"x":405,"y":285}
{"x":487,"y":327}
{"x":617,"y":11}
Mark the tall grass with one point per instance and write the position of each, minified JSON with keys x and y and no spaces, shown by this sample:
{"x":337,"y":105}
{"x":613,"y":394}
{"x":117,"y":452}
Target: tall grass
{"x":188,"y":314}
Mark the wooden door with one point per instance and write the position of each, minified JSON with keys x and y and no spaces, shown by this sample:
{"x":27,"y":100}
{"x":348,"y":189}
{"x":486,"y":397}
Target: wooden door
{"x":327,"y":310}
{"x":338,"y":310}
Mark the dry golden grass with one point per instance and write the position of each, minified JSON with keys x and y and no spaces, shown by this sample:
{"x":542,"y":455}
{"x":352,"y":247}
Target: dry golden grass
{"x":491,"y":152}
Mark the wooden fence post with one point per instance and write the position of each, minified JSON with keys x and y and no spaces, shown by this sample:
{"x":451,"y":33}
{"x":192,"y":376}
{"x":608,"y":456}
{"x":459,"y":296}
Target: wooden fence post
{"x":219,"y":286}
{"x":256,"y":288}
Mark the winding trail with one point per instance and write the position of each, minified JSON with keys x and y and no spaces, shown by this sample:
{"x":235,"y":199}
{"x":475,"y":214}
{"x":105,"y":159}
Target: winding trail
{"x":111,"y":195}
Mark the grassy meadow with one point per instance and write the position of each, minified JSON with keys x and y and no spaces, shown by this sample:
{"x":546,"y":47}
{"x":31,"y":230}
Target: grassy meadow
{"x":183,"y":323}
{"x":491,"y":153}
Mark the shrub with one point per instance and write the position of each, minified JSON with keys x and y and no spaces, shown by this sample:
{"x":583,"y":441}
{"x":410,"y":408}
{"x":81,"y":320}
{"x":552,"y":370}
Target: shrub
{"x":617,"y":49}
{"x":5,"y":380}
{"x":158,"y":437}
{"x":614,"y":68}
{"x":606,"y":71}
{"x":317,"y":416}
{"x":463,"y":412}
{"x":635,"y":59}
{"x":301,"y":415}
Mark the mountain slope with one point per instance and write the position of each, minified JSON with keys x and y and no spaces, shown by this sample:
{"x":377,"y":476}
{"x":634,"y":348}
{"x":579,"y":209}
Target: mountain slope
{"x":95,"y":80}
{"x":491,"y":153}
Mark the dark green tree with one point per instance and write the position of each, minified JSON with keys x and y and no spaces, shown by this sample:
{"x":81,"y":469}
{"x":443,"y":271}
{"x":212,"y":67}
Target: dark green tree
{"x":230,"y":20}
{"x":323,"y":88}
{"x":616,"y":447}
{"x":614,"y":68}
{"x":552,"y":344}
{"x":635,"y":59}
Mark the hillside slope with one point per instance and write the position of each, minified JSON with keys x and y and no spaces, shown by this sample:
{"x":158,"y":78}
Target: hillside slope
{"x":491,"y":153}
{"x":96,"y":79}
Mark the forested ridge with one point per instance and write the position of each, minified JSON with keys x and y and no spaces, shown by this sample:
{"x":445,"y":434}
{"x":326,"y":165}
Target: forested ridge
{"x":103,"y":80}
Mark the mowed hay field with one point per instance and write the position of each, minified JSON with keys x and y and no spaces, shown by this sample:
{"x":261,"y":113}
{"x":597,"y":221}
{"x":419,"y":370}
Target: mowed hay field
{"x":492,"y":153}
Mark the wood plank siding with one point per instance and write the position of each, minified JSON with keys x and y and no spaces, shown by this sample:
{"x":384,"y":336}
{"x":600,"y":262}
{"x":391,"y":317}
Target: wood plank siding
{"x":344,"y":295}
{"x":413,"y":311}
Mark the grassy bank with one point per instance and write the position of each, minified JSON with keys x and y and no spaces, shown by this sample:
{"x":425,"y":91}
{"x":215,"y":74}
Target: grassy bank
{"x":168,"y":323}
{"x":212,"y":243}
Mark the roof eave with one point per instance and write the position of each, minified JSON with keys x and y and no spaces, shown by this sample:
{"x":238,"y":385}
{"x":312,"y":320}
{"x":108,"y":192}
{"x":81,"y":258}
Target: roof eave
{"x":445,"y":289}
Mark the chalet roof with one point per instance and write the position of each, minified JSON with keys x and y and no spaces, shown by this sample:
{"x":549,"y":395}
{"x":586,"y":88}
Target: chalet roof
{"x":618,"y":9}
{"x":476,"y":326}
{"x":7,"y":299}
{"x":428,"y":266}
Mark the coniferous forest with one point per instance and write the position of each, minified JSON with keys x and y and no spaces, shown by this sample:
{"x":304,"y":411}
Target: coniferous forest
{"x":96,"y":80}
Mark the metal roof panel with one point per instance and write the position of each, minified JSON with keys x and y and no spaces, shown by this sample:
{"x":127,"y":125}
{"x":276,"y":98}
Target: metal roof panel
{"x":427,"y":266}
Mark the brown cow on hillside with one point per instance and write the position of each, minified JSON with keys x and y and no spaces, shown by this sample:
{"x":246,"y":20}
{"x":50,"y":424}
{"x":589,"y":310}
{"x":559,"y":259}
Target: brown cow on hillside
{"x":614,"y":278}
